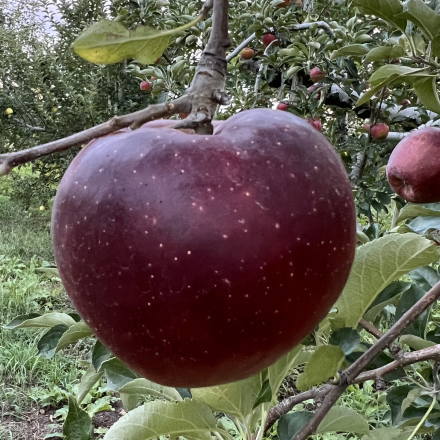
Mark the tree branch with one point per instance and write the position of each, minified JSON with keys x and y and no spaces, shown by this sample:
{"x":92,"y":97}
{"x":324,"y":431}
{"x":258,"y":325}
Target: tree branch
{"x":350,"y":374}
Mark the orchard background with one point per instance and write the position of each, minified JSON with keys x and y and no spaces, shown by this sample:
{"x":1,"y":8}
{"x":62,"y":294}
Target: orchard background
{"x":380,"y":59}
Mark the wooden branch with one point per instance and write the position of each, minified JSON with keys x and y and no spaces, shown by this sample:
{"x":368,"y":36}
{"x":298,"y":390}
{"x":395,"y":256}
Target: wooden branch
{"x":350,"y":374}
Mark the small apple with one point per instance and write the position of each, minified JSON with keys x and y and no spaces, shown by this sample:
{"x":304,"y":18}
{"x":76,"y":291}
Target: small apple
{"x":379,"y":131}
{"x":413,"y":169}
{"x":201,"y":259}
{"x":316,"y":74}
{"x":282,"y":106}
{"x":268,"y":38}
{"x":9,"y":111}
{"x":183,"y":115}
{"x":247,"y":53}
{"x":315,"y":123}
{"x":286,"y":3}
{"x":405,"y":102}
{"x":146,"y":86}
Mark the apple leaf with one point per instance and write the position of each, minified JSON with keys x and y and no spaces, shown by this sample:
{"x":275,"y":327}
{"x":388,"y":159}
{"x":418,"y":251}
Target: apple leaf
{"x":290,"y":424}
{"x":100,"y":354}
{"x":387,"y":434}
{"x":392,"y":72}
{"x":426,"y":90}
{"x":117,"y":374}
{"x":342,"y":419}
{"x":356,"y":50}
{"x":73,"y":334}
{"x":109,"y":42}
{"x":415,"y":342}
{"x":376,"y":265}
{"x":187,"y":418}
{"x":78,"y":425}
{"x":144,"y":387}
{"x":49,"y":341}
{"x":424,"y":17}
{"x":323,"y":364}
{"x":412,"y":210}
{"x":40,"y":321}
{"x":384,"y":52}
{"x":236,"y":398}
{"x":88,"y":380}
{"x":366,"y":97}
{"x":389,"y":10}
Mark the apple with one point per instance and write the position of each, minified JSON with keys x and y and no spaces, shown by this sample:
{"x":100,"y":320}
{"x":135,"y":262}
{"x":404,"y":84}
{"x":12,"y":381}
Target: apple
{"x":268,"y":38}
{"x":315,"y":123}
{"x":183,"y":115}
{"x":413,"y":169}
{"x":146,"y":86}
{"x":286,"y":3}
{"x":379,"y":131}
{"x":405,"y":102}
{"x":247,"y":53}
{"x":282,"y":106}
{"x":198,"y":259}
{"x":316,"y":74}
{"x":9,"y":111}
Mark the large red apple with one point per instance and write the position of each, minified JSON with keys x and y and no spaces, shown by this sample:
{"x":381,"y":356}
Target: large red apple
{"x":413,"y":169}
{"x":200,"y":260}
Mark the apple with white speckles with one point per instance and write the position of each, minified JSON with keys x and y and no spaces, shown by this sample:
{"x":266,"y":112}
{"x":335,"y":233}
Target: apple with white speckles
{"x":200,"y":260}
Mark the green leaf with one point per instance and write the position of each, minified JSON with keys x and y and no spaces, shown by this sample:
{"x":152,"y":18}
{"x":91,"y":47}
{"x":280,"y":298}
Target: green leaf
{"x":384,"y":52}
{"x":144,"y":387}
{"x":109,"y":42}
{"x":351,"y":50}
{"x":342,"y":419}
{"x":117,"y":374}
{"x":73,"y":334}
{"x":366,"y":97}
{"x":49,"y":341}
{"x":40,"y":321}
{"x":426,"y":90}
{"x":78,"y":425}
{"x":424,"y":17}
{"x":279,"y":370}
{"x":412,"y":210}
{"x":415,"y":342}
{"x":392,"y":72}
{"x":376,"y":265}
{"x":387,"y":434}
{"x":265,"y":395}
{"x":323,"y":364}
{"x":347,"y":339}
{"x":100,"y":354}
{"x":395,"y":397}
{"x":188,"y":418}
{"x":236,"y":398}
{"x":389,"y":10}
{"x":425,"y":277}
{"x":290,"y":424}
{"x":88,"y":380}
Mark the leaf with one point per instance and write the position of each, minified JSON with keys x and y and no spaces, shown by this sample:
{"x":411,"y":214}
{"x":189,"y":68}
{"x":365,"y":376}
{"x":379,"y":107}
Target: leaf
{"x":389,"y":10}
{"x":290,"y":424}
{"x":426,"y":90}
{"x":366,"y":97}
{"x":144,"y":387}
{"x":425,"y":277}
{"x":187,"y":418}
{"x":347,"y":339}
{"x":415,"y":342}
{"x":384,"y":52}
{"x":342,"y":419}
{"x":395,"y":397}
{"x":324,"y":364}
{"x":236,"y":398}
{"x":376,"y":265}
{"x":73,"y":334}
{"x":49,"y":341}
{"x":351,"y":50}
{"x":88,"y":380}
{"x":412,"y":210}
{"x":265,"y":394}
{"x":391,"y":72}
{"x":100,"y":354}
{"x":424,"y":225}
{"x":424,"y":17}
{"x":78,"y":425}
{"x":109,"y":42}
{"x":117,"y":374}
{"x":279,"y":370}
{"x":40,"y":321}
{"x":387,"y":434}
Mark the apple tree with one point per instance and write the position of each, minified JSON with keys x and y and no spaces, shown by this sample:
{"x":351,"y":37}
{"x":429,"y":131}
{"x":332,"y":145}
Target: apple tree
{"x":243,"y":230}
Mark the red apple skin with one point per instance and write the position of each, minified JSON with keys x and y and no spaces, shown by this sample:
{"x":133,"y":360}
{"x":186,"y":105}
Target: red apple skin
{"x":247,"y":53}
{"x":282,"y":106}
{"x":316,"y":74}
{"x":200,"y":260}
{"x":145,"y":86}
{"x":315,"y":123}
{"x":379,"y":131}
{"x":413,"y":170}
{"x":268,"y":38}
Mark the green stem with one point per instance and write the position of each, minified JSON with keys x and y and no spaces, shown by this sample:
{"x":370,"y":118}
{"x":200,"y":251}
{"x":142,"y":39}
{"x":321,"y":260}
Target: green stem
{"x":422,"y":422}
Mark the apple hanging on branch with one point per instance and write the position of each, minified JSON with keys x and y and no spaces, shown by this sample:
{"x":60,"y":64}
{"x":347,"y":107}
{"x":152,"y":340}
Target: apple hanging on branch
{"x":198,"y":259}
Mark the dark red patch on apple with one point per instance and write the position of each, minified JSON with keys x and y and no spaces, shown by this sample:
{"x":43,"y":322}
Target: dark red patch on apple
{"x":200,"y":260}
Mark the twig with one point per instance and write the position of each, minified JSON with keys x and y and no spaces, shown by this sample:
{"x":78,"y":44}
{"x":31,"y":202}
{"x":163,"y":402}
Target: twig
{"x":370,"y":328}
{"x":358,"y":167}
{"x":262,"y":67}
{"x":240,"y":47}
{"x":349,"y":375}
